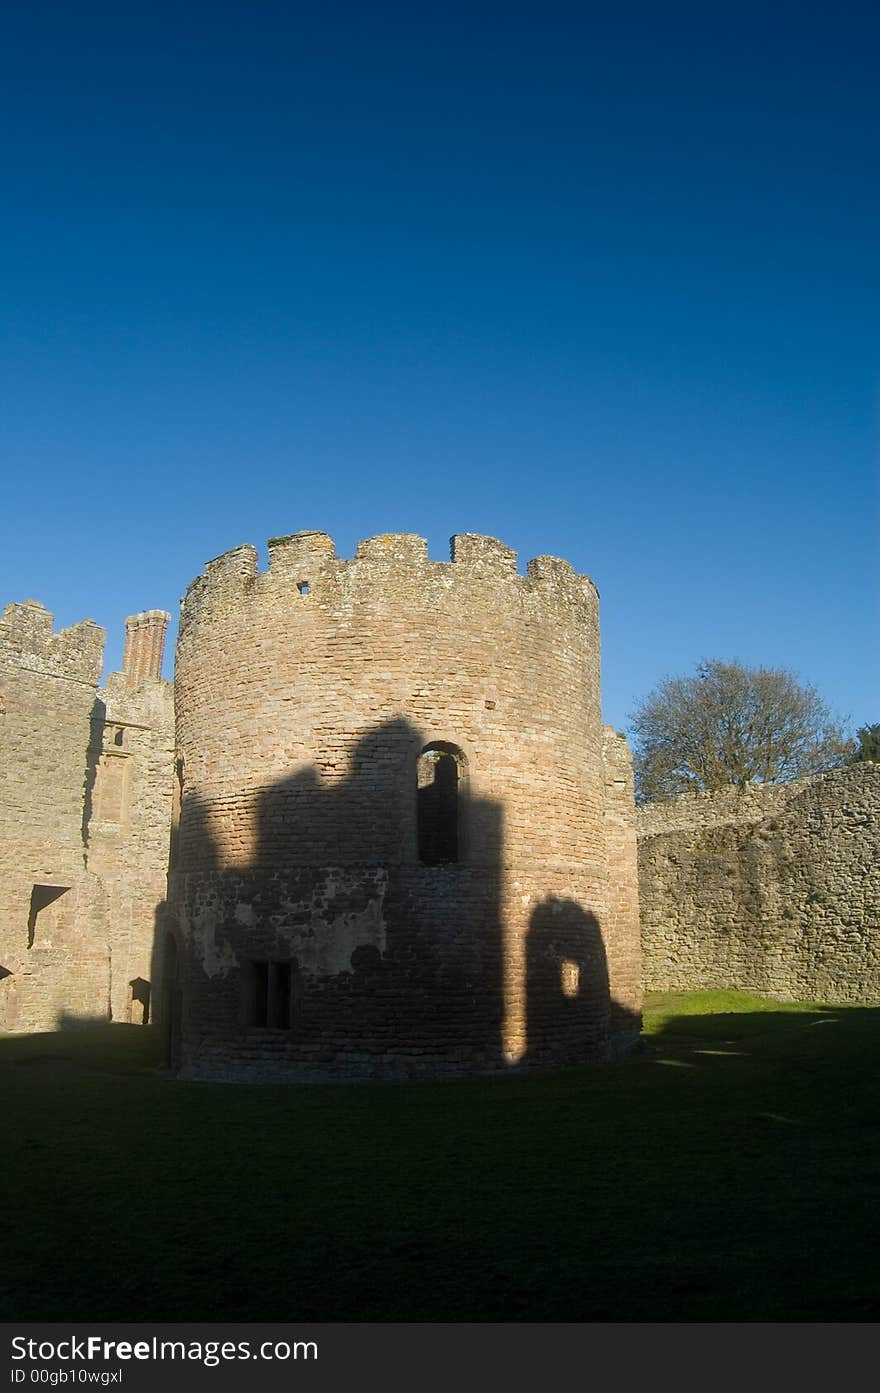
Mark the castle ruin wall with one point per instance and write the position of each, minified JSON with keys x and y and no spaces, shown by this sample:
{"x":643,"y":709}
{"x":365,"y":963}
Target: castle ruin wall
{"x":771,"y":889}
{"x":84,"y":813}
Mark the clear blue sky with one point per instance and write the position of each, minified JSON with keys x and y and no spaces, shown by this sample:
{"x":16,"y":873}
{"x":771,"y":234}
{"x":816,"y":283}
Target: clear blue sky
{"x":600,"y":280}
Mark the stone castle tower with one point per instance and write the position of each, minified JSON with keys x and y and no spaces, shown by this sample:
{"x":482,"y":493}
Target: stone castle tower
{"x":405,"y":842}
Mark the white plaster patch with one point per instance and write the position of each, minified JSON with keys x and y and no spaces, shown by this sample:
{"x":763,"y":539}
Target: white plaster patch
{"x":217,"y":958}
{"x":327,"y":951}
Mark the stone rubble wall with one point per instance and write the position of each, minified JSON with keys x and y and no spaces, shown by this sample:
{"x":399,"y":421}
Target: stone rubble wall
{"x":773,"y":890}
{"x":624,"y":949}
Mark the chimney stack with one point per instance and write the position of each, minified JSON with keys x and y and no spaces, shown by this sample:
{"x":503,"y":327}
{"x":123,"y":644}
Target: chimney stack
{"x":144,"y":645}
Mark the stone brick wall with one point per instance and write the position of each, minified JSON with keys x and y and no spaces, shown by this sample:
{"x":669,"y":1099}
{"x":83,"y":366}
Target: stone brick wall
{"x":623,"y":888}
{"x":700,"y":811}
{"x":49,"y":906}
{"x":84,"y":812}
{"x":129,"y":828}
{"x":305,"y":696}
{"x":772,"y":890}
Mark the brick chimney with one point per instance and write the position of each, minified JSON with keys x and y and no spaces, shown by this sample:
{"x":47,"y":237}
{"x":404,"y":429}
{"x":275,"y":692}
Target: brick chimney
{"x":144,"y":644}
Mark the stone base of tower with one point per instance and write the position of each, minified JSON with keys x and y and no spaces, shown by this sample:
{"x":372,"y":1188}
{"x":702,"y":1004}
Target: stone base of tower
{"x":369,"y":973}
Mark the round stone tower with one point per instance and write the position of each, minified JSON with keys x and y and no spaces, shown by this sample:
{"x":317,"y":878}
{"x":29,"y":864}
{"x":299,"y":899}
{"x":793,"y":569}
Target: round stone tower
{"x":406,"y":843}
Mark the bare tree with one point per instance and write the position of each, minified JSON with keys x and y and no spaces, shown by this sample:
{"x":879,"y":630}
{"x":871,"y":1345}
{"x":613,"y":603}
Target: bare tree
{"x":732,"y":724}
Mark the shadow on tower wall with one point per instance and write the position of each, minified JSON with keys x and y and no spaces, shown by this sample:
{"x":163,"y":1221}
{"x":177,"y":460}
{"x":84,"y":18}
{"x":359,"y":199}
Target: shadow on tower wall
{"x":331,"y":951}
{"x":568,"y":995}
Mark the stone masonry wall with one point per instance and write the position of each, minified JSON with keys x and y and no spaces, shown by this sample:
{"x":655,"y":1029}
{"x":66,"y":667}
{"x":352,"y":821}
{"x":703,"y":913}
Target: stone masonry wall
{"x":129,"y":830}
{"x":48,"y":687}
{"x":771,"y":890}
{"x":305,"y":695}
{"x":623,"y":884}
{"x":84,"y":813}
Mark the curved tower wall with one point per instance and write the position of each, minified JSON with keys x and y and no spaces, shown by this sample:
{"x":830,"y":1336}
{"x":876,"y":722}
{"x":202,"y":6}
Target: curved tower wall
{"x":305,"y":695}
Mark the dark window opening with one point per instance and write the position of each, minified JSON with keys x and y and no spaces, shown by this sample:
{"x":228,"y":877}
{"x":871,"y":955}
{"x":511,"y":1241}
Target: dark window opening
{"x":278,"y":1009}
{"x":268,"y":994}
{"x":119,"y":737}
{"x":260,"y":994}
{"x":303,"y":587}
{"x":440,"y":772}
{"x":41,"y":897}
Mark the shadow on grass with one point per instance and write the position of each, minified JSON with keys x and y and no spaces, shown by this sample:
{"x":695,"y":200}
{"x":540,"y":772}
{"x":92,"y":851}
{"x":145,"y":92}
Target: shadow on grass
{"x":95,"y":1047}
{"x":728,"y":1172}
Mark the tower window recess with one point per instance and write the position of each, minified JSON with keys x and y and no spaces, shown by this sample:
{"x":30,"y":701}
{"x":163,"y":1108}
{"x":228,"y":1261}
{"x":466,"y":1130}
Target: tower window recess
{"x":303,"y":587}
{"x":119,"y":737}
{"x":268,"y":995}
{"x":440,"y":779}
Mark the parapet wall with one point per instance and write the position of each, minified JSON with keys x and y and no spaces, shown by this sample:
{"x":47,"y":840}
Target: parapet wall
{"x":773,"y":890}
{"x":700,"y":811}
{"x":304,"y":565}
{"x":28,"y":642}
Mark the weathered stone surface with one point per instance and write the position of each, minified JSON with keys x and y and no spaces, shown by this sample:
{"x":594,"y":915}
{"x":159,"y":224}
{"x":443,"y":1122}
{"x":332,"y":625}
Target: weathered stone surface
{"x":85,"y":802}
{"x":774,"y":890}
{"x":305,"y":698}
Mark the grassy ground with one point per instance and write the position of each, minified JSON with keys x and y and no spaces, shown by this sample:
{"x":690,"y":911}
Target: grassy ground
{"x":730,"y":1171}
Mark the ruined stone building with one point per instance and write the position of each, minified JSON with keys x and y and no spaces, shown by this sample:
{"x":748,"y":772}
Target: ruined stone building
{"x":406,"y":842}
{"x":85,"y":807}
{"x":402,"y":842}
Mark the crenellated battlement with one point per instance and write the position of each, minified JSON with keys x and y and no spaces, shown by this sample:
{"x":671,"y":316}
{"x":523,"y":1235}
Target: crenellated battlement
{"x":483,"y":555}
{"x":393,"y":549}
{"x":305,"y":565}
{"x":298,"y":556}
{"x":240,"y":563}
{"x":28,"y":640}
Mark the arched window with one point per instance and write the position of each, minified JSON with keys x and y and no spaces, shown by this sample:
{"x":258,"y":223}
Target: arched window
{"x":440,"y":779}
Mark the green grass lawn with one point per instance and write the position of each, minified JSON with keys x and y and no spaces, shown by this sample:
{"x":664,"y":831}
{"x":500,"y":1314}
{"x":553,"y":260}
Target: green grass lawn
{"x":730,"y":1171}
